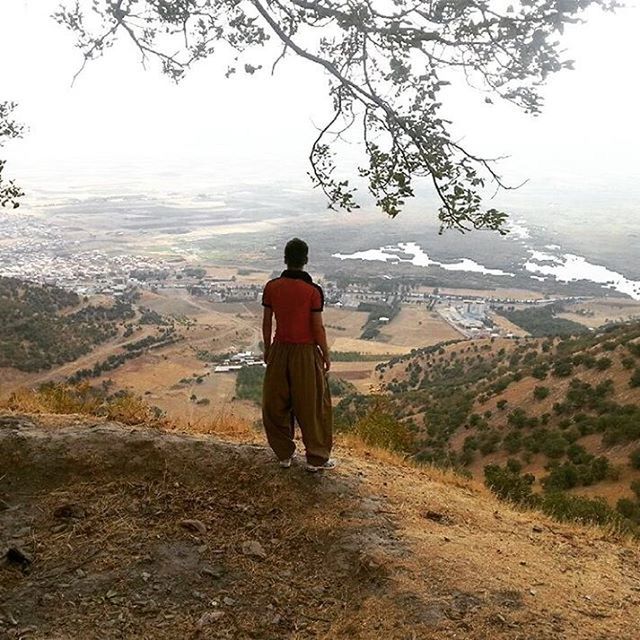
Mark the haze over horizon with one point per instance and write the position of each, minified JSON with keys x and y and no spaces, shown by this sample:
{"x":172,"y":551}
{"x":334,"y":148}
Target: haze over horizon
{"x":123,"y":125}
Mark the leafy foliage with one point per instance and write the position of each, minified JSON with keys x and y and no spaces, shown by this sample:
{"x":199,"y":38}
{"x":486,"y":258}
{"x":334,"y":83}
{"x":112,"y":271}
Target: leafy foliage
{"x":387,"y":67}
{"x":10,"y":193}
{"x":507,"y":483}
{"x":379,"y":428}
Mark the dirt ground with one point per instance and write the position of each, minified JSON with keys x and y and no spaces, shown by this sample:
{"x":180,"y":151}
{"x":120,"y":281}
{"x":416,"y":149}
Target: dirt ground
{"x":127,"y":532}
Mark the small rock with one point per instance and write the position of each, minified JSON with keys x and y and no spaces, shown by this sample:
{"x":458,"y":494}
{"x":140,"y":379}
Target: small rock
{"x":209,"y":618}
{"x":216,"y":572}
{"x":253,"y":548}
{"x":194,"y":525}
{"x":15,"y":555}
{"x":228,"y":601}
{"x":434,"y":515}
{"x":145,"y":575}
{"x":523,"y":563}
{"x":532,"y":592}
{"x":537,"y":528}
{"x":70,"y":510}
{"x":80,"y":573}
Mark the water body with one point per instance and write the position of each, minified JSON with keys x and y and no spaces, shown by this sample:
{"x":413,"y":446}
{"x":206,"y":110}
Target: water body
{"x":571,"y":268}
{"x":541,"y":265}
{"x":419,"y":258}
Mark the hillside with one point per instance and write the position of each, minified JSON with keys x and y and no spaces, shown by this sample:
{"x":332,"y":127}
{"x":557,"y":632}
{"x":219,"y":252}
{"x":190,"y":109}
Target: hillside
{"x":131,"y":532}
{"x":565,"y":410}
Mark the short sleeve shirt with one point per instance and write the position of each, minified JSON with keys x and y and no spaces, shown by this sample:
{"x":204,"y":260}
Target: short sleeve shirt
{"x":293,"y":297}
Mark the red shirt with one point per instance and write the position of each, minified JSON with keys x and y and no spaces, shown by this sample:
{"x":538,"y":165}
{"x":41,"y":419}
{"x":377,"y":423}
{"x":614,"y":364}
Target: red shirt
{"x":293,"y":297}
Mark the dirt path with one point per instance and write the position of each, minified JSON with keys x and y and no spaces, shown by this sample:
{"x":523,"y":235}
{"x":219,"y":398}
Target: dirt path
{"x":137,"y":533}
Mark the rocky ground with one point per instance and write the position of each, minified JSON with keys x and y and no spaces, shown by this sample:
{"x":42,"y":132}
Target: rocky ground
{"x":118,"y":532}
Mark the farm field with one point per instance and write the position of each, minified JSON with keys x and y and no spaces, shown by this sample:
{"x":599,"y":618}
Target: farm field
{"x":595,"y":313}
{"x":416,"y":327}
{"x":360,"y":374}
{"x":345,"y":323}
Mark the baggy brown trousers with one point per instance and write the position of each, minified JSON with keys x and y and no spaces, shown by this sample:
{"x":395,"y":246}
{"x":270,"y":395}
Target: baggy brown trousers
{"x":295,"y":386}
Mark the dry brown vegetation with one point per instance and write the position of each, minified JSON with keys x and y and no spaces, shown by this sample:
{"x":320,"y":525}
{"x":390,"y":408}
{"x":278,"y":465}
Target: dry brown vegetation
{"x":128,"y":532}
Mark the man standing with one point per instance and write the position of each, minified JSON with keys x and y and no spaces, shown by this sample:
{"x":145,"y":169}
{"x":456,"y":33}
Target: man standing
{"x":295,"y":383}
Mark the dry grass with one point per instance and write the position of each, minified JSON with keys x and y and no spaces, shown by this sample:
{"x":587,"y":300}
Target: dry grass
{"x":83,"y":399}
{"x":378,"y":549}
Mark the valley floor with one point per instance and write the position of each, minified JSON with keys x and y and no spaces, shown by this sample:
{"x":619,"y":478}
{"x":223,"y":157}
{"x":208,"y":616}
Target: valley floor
{"x":130,"y":532}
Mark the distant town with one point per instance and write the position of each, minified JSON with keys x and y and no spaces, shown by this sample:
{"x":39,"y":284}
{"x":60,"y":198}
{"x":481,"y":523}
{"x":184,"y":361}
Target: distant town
{"x":33,"y":251}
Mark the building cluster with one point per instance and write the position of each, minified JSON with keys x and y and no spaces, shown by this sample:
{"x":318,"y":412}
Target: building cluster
{"x":239,"y":360}
{"x":469,"y":317}
{"x":33,"y":251}
{"x":225,"y":290}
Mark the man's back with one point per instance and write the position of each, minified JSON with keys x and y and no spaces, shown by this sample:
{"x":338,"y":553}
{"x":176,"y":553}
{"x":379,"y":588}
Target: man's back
{"x":293,"y":297}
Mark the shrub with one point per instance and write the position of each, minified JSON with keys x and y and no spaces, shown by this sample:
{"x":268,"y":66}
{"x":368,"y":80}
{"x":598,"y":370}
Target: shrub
{"x":508,"y":484}
{"x":540,"y":393}
{"x":628,"y":508}
{"x":634,"y":457}
{"x":603,"y":363}
{"x":501,"y":404}
{"x":512,"y":442}
{"x":518,"y":418}
{"x":379,"y":428}
{"x":634,"y":348}
{"x":562,"y":368}
{"x":567,"y":507}
{"x":561,"y":477}
{"x":540,"y":371}
{"x":635,"y":378}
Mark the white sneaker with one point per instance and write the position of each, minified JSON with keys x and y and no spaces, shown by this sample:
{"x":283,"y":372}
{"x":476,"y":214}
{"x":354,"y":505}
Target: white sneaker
{"x":286,"y":463}
{"x":327,"y":466}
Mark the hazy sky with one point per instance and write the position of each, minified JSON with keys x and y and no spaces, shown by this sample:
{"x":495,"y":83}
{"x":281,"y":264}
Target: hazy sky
{"x":259,"y":128}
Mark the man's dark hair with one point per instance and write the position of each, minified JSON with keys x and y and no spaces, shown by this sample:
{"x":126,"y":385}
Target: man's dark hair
{"x":296,"y":253}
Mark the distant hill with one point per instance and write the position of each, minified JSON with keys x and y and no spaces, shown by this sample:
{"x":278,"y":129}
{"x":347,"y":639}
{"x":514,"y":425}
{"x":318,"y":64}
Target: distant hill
{"x":564,"y":413}
{"x":44,"y":326}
